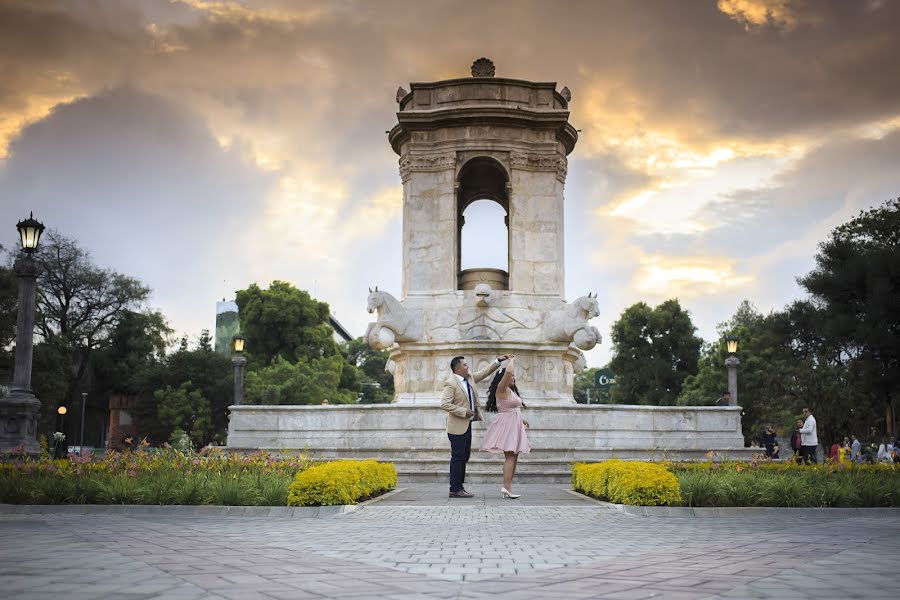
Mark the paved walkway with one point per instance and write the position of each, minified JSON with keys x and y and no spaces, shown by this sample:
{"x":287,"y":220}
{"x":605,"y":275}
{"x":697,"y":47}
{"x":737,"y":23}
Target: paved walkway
{"x":409,"y":547}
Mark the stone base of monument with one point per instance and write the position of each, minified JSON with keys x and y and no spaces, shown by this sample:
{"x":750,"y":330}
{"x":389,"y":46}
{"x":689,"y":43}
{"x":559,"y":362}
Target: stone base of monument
{"x":414,"y":438}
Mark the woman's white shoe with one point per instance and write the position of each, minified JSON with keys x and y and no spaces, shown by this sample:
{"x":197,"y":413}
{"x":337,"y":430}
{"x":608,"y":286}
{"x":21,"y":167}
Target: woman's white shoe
{"x":507,"y":494}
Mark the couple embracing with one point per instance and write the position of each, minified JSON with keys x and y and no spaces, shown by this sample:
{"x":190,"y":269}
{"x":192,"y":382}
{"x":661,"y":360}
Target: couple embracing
{"x":505,"y":434}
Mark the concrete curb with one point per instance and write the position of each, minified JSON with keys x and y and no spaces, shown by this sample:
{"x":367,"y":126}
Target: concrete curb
{"x":143,"y":510}
{"x":737,"y":511}
{"x":384,"y":496}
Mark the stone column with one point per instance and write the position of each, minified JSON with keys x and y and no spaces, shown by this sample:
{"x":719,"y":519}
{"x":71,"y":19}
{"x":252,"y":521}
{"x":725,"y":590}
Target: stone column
{"x":732,"y":363}
{"x":19,"y":411}
{"x":239,"y":362}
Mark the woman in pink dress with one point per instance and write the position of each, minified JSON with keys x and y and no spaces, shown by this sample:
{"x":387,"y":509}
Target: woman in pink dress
{"x":506,"y":433}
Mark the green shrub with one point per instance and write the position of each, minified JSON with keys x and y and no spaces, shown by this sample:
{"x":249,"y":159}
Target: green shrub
{"x":273,"y":490}
{"x":625,"y":482}
{"x":118,"y":489}
{"x":161,"y":488}
{"x":231,"y":490}
{"x":837,"y":492}
{"x":701,"y":489}
{"x":782,"y":489}
{"x":341,"y":482}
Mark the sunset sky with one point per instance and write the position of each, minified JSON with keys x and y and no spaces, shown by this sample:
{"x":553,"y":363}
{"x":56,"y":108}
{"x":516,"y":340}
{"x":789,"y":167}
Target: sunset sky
{"x":203,"y":145}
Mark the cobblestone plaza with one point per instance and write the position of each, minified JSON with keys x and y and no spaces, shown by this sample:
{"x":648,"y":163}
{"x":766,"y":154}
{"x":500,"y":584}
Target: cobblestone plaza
{"x":419,"y":544}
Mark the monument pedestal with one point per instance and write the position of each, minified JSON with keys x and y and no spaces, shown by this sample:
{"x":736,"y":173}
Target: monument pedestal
{"x":547,"y":371}
{"x":414,"y":437}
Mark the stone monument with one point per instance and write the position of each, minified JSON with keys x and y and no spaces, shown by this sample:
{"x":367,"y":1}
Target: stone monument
{"x":506,"y":141}
{"x":460,"y":141}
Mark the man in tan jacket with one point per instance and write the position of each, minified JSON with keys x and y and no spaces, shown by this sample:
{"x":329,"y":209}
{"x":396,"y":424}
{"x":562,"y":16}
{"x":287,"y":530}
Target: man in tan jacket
{"x":460,"y":399}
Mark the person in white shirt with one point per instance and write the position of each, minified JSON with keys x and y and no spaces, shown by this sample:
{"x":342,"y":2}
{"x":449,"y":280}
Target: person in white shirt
{"x":808,"y":438}
{"x":883,"y":454}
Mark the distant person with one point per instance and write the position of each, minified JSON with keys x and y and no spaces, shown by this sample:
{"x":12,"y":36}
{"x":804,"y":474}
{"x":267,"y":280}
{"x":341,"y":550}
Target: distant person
{"x":835,"y":449}
{"x":808,"y":438}
{"x":724,"y":399}
{"x":768,"y":441}
{"x":855,"y":447}
{"x":507,"y":432}
{"x":884,"y":455}
{"x":844,"y":452}
{"x":796,"y":439}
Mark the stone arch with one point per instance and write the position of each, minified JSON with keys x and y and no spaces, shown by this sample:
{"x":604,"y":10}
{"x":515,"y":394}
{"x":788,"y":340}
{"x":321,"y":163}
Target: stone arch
{"x":481,"y":178}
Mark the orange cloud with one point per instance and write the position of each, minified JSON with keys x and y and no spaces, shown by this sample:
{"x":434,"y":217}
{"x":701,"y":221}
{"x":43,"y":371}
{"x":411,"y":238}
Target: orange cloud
{"x":759,"y":12}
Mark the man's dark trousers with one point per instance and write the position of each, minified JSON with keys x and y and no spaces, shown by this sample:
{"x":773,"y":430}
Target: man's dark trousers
{"x":460,"y":449}
{"x":809,"y":454}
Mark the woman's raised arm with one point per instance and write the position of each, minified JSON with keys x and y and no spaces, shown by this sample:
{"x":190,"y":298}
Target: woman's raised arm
{"x":503,"y":386}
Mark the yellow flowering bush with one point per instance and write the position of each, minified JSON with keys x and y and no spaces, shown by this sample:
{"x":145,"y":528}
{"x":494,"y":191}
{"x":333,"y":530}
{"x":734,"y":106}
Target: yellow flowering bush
{"x":627,"y":482}
{"x":341,"y":482}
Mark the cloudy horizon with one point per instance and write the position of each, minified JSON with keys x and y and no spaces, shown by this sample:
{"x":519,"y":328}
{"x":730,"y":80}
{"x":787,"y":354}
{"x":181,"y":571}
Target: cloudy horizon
{"x":204,"y":145}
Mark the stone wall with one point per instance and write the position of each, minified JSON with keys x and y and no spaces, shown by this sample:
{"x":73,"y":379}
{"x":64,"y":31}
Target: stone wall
{"x":415,"y":438}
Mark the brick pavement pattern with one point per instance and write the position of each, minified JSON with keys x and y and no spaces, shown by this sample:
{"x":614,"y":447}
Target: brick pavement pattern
{"x":417,"y":544}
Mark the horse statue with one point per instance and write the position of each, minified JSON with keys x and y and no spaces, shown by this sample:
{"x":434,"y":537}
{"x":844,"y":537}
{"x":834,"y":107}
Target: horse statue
{"x":570,"y":323}
{"x":394,"y":323}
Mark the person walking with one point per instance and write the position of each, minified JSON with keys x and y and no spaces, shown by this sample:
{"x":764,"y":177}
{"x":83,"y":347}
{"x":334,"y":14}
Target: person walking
{"x":855,"y":447}
{"x":460,"y":399}
{"x":507,"y":432}
{"x":808,"y":438}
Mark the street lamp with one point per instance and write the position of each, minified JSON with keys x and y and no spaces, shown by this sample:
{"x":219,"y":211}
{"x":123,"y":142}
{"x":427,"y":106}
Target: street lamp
{"x":20,"y":409}
{"x":59,"y":437}
{"x":732,"y":362}
{"x":239,"y":361}
{"x":731,"y":344}
{"x":83,"y":402}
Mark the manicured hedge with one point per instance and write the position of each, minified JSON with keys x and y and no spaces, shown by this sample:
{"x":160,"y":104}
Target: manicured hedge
{"x":754,"y":483}
{"x":625,"y":482}
{"x":341,"y":482}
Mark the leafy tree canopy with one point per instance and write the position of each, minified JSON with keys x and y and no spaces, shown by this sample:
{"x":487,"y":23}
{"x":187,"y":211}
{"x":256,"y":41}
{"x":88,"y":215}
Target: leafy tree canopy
{"x":856,"y":287}
{"x":185,"y":408}
{"x":302,"y":382}
{"x":654,"y":350}
{"x":284,"y":321}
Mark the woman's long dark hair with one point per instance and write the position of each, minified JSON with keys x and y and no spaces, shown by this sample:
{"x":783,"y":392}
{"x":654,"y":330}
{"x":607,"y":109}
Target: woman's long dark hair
{"x":491,"y":405}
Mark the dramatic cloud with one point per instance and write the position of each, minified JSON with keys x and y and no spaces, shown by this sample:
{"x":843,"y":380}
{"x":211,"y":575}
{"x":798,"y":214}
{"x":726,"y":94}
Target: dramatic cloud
{"x":202,"y":145}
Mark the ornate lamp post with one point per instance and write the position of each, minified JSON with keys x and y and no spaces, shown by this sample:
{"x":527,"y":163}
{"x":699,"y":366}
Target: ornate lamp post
{"x":732,"y":362}
{"x":19,"y":410}
{"x":239,"y":361}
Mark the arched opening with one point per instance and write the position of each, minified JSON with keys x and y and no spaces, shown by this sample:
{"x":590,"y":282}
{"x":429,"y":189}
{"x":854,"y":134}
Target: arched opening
{"x":483,"y":225}
{"x":484,"y":242}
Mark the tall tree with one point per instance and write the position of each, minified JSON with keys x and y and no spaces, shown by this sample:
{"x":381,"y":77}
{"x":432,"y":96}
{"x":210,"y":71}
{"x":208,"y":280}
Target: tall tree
{"x":284,"y":321}
{"x":654,"y":350}
{"x":206,"y":371}
{"x":287,"y":323}
{"x":786,"y":364}
{"x":79,"y":304}
{"x":856,"y":285}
